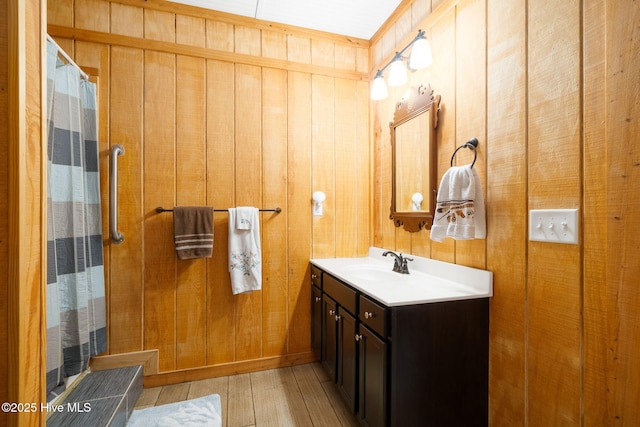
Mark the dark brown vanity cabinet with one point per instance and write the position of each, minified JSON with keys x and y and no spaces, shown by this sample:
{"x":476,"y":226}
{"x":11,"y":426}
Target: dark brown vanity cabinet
{"x":373,"y":362}
{"x":316,"y":317}
{"x":333,"y":333}
{"x":339,"y":354}
{"x":372,"y":378}
{"x":347,"y":358}
{"x":329,"y":355}
{"x":439,"y":373}
{"x":421,"y":364}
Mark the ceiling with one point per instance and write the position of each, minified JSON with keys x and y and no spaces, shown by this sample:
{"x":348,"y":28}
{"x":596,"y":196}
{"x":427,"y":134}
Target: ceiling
{"x":354,"y":18}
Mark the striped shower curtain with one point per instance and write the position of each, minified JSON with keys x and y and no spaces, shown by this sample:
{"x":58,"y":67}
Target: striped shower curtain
{"x":76,"y":321}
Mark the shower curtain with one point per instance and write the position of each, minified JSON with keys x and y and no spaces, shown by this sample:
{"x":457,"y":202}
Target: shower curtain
{"x":76,"y":315}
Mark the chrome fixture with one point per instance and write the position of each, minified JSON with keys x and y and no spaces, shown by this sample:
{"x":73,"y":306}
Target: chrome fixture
{"x":400,"y":263}
{"x":420,"y":58}
{"x":116,"y":236}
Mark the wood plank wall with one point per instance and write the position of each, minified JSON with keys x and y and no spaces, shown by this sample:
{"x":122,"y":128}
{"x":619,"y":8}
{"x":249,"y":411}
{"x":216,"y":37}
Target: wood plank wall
{"x":550,"y":89}
{"x":22,"y":209}
{"x":4,"y":204}
{"x":622,"y":198}
{"x":224,"y":111}
{"x":594,"y":378}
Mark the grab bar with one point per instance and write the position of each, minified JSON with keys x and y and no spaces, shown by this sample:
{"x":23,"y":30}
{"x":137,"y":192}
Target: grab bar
{"x":116,"y":236}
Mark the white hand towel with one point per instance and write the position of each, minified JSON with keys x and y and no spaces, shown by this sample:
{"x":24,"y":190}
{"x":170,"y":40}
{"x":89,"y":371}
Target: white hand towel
{"x":244,"y":217}
{"x":460,"y":212}
{"x":245,"y":256}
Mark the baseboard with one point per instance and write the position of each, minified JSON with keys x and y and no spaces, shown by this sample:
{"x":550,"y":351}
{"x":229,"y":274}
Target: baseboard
{"x":147,"y":358}
{"x":225,"y":369}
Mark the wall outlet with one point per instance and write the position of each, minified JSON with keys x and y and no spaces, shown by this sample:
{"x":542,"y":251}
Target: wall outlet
{"x":554,"y":225}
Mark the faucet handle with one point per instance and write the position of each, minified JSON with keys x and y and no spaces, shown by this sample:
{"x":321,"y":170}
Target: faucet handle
{"x":405,"y":267}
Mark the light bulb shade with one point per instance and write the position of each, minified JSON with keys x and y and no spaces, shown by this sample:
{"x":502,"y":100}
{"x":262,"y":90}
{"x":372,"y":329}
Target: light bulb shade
{"x":379,"y":89}
{"x":397,"y":73}
{"x":420,"y":55}
{"x":416,"y":201}
{"x":319,"y":196}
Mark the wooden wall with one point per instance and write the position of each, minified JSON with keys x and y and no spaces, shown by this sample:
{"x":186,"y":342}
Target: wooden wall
{"x":550,"y":89}
{"x":22,"y":207}
{"x":4,"y":203}
{"x":224,"y":111}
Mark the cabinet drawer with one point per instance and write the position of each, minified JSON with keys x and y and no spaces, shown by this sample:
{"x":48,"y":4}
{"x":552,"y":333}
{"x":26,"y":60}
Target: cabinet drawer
{"x":373,"y":315}
{"x":316,"y":276}
{"x":344,"y":295}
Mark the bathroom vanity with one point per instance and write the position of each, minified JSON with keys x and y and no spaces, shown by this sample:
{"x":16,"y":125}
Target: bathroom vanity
{"x":404,"y":349}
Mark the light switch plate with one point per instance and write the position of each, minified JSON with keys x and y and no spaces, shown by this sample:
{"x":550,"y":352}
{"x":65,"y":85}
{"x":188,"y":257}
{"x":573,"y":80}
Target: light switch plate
{"x":554,"y":225}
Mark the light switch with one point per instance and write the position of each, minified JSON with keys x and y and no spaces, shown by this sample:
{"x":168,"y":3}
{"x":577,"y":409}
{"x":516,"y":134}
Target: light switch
{"x":554,"y":225}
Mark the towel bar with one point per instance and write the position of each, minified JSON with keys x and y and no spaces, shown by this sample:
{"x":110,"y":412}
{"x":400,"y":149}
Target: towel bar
{"x":160,"y":209}
{"x":471,"y":144}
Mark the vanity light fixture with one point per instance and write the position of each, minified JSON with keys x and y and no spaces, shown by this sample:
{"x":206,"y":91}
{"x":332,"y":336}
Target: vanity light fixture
{"x":397,"y":72}
{"x":420,"y":54}
{"x":420,"y":58}
{"x":379,"y":87}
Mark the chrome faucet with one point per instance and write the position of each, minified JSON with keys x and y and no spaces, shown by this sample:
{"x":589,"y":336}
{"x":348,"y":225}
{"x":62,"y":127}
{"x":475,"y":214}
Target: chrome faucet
{"x":400,"y":263}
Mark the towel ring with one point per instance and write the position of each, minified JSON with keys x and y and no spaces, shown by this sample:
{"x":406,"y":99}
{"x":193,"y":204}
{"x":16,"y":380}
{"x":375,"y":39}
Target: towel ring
{"x":471,"y":144}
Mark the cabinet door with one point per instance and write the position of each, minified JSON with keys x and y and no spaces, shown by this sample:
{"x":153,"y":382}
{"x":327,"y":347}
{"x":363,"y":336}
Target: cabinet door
{"x":330,"y":336}
{"x":316,"y":321}
{"x":347,"y":358}
{"x":372,"y":408}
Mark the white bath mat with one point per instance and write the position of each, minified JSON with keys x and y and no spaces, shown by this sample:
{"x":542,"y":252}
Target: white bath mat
{"x":204,"y":411}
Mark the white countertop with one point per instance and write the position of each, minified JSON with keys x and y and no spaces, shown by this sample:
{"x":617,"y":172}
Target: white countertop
{"x":429,"y":280}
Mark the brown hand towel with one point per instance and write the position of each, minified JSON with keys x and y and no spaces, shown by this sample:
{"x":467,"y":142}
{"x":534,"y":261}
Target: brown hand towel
{"x":193,"y":231}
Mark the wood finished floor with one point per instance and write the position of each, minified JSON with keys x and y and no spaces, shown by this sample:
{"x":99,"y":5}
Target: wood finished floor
{"x":293,"y":396}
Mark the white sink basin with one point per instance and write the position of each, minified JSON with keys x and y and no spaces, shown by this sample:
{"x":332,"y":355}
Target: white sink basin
{"x":372,"y":272}
{"x":428,"y":281}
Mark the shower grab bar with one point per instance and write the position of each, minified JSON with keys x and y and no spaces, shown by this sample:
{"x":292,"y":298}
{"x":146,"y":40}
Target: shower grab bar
{"x":116,"y":236}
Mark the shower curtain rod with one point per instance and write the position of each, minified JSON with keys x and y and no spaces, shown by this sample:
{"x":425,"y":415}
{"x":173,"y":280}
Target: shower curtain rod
{"x":67,"y":57}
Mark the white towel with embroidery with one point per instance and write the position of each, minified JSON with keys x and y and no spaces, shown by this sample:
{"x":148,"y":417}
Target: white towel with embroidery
{"x":245,"y":256}
{"x":460,"y":212}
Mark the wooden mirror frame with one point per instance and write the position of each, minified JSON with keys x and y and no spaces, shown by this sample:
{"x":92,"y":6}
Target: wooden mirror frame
{"x":420,"y":101}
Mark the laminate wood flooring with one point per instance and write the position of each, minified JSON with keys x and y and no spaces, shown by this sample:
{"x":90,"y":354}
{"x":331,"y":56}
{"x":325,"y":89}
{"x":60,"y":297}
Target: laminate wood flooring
{"x":293,"y":396}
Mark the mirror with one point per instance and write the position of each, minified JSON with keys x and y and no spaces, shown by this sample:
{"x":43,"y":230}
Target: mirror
{"x":413,"y":148}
